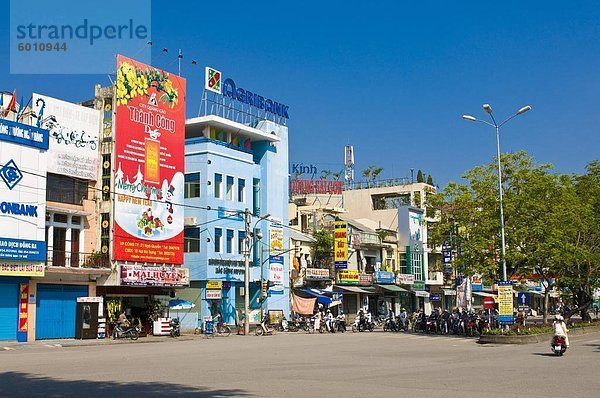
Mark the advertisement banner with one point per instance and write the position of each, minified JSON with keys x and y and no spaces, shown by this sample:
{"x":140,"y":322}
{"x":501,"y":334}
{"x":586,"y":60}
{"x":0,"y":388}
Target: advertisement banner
{"x":149,"y":152}
{"x":137,"y":275}
{"x":405,"y":279}
{"x":384,"y":277}
{"x":317,"y":274}
{"x":21,"y":269}
{"x":348,"y":277}
{"x":415,"y":226}
{"x":340,"y":242}
{"x":276,"y":270}
{"x":74,"y":130}
{"x":275,"y":238}
{"x":23,"y":305}
{"x":505,"y":303}
{"x":365,"y":280}
{"x":214,"y":285}
{"x":213,"y":294}
{"x":22,"y":192}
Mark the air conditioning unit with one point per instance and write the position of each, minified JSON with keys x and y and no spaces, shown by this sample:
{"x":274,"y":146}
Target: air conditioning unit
{"x":190,"y":221}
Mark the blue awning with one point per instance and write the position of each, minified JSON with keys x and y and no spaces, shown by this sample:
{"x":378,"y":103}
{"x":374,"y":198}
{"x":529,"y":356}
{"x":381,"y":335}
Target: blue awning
{"x":324,"y":297}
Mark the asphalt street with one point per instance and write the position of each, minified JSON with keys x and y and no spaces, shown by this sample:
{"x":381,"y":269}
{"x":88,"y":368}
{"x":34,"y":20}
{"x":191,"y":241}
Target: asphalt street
{"x":301,"y":365}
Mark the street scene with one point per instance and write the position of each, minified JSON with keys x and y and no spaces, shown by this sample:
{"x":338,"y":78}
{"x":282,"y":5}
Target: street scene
{"x":275,"y":199}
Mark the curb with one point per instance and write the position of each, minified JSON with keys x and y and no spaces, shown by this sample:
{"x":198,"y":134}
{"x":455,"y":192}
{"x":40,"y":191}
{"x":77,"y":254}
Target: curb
{"x":533,"y":338}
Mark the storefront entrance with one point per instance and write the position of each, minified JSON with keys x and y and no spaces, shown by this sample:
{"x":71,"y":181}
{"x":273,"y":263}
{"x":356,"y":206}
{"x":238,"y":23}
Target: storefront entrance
{"x":56,"y":304}
{"x":9,"y":310}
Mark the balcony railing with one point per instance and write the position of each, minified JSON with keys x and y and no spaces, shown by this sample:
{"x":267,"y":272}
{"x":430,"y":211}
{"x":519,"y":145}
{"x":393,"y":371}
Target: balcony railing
{"x":61,"y":258}
{"x":368,"y":238}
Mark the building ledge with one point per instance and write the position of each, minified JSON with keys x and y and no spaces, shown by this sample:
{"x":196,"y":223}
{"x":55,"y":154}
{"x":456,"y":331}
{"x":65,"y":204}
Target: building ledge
{"x":77,"y":271}
{"x":194,"y":127}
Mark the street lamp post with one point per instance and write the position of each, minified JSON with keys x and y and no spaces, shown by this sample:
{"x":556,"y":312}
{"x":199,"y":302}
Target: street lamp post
{"x":496,"y":126}
{"x":247,"y":221}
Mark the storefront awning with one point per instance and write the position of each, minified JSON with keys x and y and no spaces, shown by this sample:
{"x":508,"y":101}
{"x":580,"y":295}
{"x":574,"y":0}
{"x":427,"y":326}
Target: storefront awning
{"x":393,"y":288}
{"x":484,"y":294}
{"x":327,"y":298}
{"x":449,"y":292}
{"x":353,"y":289}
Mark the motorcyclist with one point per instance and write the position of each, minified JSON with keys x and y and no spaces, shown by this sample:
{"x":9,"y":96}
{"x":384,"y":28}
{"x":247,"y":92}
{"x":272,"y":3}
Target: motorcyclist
{"x":421,"y":320}
{"x":403,"y":318}
{"x":341,"y":320}
{"x":560,"y":329}
{"x":329,"y":321}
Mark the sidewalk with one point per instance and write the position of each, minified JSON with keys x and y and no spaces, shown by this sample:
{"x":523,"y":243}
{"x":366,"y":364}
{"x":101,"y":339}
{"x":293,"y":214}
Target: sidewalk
{"x":13,"y":345}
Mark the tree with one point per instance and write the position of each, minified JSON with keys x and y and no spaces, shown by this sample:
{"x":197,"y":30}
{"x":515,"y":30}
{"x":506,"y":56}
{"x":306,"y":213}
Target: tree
{"x":371,"y":174}
{"x":429,"y":179}
{"x":420,"y":176}
{"x":551,"y":224}
{"x":322,"y":248}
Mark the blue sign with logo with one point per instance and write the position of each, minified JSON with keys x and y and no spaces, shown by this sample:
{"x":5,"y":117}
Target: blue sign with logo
{"x":384,"y":277}
{"x":237,"y":215}
{"x":22,"y":249}
{"x":522,"y":298}
{"x":253,"y":99}
{"x":435,"y":297}
{"x":24,"y":134}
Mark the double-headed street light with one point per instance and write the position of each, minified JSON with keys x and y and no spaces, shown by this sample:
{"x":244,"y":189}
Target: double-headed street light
{"x":488,"y":109}
{"x":247,"y":221}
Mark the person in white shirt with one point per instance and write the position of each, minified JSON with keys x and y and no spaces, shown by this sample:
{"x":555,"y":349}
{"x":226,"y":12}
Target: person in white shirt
{"x":560,"y":328}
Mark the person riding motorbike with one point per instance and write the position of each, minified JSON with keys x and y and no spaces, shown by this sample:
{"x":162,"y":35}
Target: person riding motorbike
{"x":329,"y":321}
{"x":403,"y":318}
{"x":341,"y":321}
{"x":560,"y":329}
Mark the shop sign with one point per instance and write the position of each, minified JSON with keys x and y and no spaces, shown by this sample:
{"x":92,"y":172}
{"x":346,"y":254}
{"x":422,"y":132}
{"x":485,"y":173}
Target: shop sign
{"x":213,"y":294}
{"x":276,"y":270}
{"x":23,"y":134}
{"x":137,"y":275}
{"x":236,"y":215}
{"x":365,"y":280}
{"x":348,"y":277}
{"x":275,"y":238}
{"x":418,"y":285}
{"x":505,"y":302}
{"x":73,"y":149}
{"x":23,"y":305}
{"x":21,"y":269}
{"x":252,"y":99}
{"x":317,"y":274}
{"x":384,"y":277}
{"x":405,"y":279}
{"x":340,"y":242}
{"x":316,"y":187}
{"x":435,"y":297}
{"x":149,"y":163}
{"x":214,"y":285}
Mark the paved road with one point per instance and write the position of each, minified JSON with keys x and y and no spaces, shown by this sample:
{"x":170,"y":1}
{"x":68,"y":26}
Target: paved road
{"x":299,"y":365}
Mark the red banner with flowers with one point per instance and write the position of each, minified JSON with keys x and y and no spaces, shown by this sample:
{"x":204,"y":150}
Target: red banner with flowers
{"x":149,"y":164}
{"x":23,"y":306}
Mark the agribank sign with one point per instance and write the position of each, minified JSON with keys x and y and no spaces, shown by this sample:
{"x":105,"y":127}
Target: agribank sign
{"x":228,"y":88}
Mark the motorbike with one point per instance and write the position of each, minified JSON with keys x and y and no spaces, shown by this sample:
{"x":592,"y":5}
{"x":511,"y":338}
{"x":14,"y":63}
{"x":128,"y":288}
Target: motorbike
{"x":175,"y":327}
{"x":264,"y":329}
{"x":364,"y":326}
{"x":390,"y":325}
{"x":124,"y":331}
{"x":559,"y":345}
{"x":339,"y":324}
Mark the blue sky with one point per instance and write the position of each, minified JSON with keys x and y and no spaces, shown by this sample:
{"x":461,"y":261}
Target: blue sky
{"x":391,"y":78}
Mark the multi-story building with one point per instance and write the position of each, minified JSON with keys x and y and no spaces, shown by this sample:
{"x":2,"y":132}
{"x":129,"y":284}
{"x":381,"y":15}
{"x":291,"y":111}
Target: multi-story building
{"x":236,"y":161}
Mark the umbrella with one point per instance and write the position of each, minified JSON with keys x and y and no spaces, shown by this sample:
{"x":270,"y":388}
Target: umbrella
{"x":181,"y":304}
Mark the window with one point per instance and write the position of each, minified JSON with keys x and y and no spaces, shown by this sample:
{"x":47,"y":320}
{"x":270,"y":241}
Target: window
{"x":229,"y":188}
{"x":218,"y":185}
{"x":218,"y":237}
{"x":59,"y":240}
{"x":64,"y":240}
{"x":66,"y":189}
{"x":229,"y":241}
{"x":75,"y":247}
{"x":191,"y":240}
{"x":192,"y":185}
{"x":241,"y":239}
{"x":241,"y":191}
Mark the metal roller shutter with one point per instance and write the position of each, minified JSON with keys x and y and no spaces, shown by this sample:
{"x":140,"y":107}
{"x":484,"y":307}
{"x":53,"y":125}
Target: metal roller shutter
{"x":9,"y":310}
{"x":56,"y":304}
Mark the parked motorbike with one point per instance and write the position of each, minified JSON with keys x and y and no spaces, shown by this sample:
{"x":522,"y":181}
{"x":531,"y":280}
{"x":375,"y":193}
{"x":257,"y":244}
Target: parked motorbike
{"x":175,"y":327}
{"x":559,"y":345}
{"x":124,"y":331}
{"x":264,"y":328}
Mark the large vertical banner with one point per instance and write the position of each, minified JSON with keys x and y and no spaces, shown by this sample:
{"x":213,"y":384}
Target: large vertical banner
{"x":149,"y":153}
{"x":505,"y":302}
{"x":73,"y":148}
{"x":275,"y":238}
{"x":340,"y":242}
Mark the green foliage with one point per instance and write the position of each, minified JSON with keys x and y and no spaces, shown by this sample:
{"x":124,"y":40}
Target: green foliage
{"x":371,"y":174}
{"x":322,"y":248}
{"x":551,"y":223}
{"x":429,"y":180}
{"x":420,"y":177}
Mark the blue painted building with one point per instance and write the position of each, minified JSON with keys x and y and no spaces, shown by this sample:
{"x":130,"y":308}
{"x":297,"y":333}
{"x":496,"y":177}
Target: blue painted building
{"x":230,"y":167}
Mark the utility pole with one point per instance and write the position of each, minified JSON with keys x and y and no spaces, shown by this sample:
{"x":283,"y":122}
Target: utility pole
{"x":247,"y":272}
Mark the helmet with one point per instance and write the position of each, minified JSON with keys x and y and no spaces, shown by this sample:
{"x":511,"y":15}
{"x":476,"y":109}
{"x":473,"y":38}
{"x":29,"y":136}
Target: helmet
{"x":403,"y":309}
{"x":558,"y":317}
{"x":328,"y":310}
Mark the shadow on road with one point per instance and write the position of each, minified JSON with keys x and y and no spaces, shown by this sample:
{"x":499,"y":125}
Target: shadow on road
{"x":545,"y":354}
{"x":17,"y":384}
